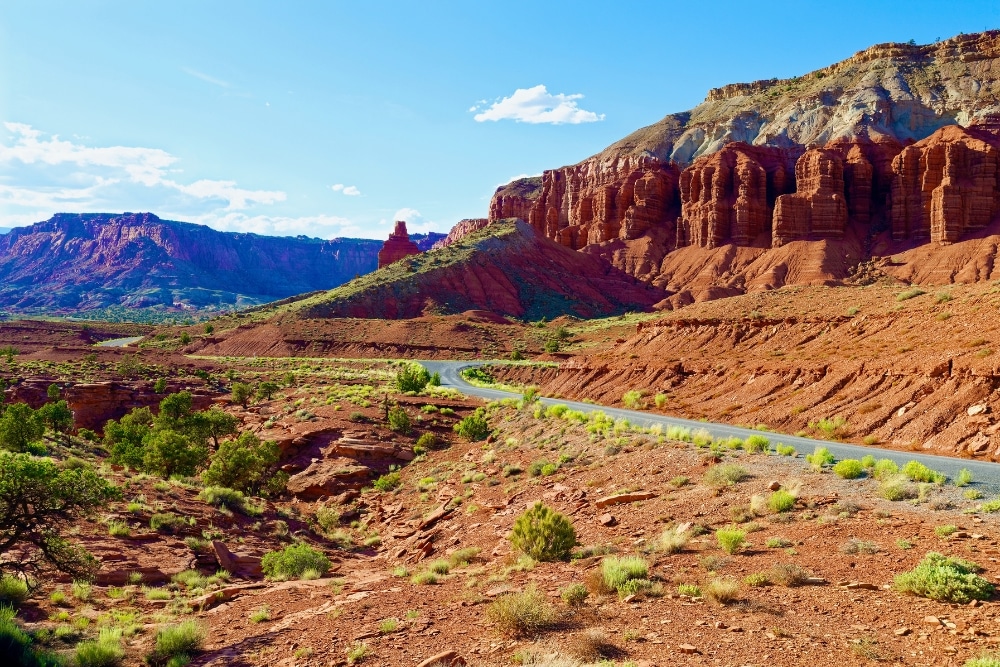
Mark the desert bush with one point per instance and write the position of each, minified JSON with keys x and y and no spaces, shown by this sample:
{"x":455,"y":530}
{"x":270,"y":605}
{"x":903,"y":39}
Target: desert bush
{"x":781,"y":501}
{"x":427,"y":441}
{"x":868,"y":462}
{"x":788,"y":574}
{"x":722,"y":590}
{"x":424,"y":578}
{"x":986,"y":660}
{"x":784,"y":450}
{"x":523,"y":613}
{"x":543,"y":534}
{"x":885,"y":468}
{"x":660,"y":400}
{"x":777,"y":543}
{"x":16,"y":645}
{"x":849,"y":469}
{"x":574,"y":595}
{"x":474,"y":427}
{"x":945,"y":531}
{"x":246,"y":464}
{"x":673,"y":541}
{"x":820,"y":457}
{"x":294,"y":560}
{"x":175,"y":644}
{"x":617,"y":572}
{"x":964,"y":477}
{"x":855,"y":546}
{"x":731,"y":539}
{"x":945,"y":579}
{"x":412,"y":377}
{"x":166,"y":522}
{"x":918,"y":472}
{"x":905,"y":295}
{"x":167,"y":453}
{"x":389,"y":481}
{"x":232,"y":499}
{"x":690,"y":590}
{"x":399,"y":421}
{"x":757,"y":579}
{"x":633,"y":400}
{"x":756,"y":443}
{"x":725,"y":474}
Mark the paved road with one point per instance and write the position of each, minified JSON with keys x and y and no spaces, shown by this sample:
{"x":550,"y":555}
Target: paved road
{"x":119,"y":342}
{"x":985,"y":474}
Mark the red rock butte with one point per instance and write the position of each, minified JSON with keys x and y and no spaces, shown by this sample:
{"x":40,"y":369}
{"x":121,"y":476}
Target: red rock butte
{"x":397,"y":246}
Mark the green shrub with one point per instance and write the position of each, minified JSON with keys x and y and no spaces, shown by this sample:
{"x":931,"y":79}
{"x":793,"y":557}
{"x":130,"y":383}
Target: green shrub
{"x":785,"y":450}
{"x":543,"y":534}
{"x":292,"y":561}
{"x":523,"y":613}
{"x":945,"y":579}
{"x":167,"y":453}
{"x":412,"y":377}
{"x":849,"y":469}
{"x":867,"y":461}
{"x":673,"y":541}
{"x":990,"y":506}
{"x":725,"y":474}
{"x":232,"y":499}
{"x":731,"y":539}
{"x":388,"y":481}
{"x":964,"y":477}
{"x":987,"y":660}
{"x":241,"y":393}
{"x":119,"y":529}
{"x":756,"y":443}
{"x":574,"y":595}
{"x":918,"y":472}
{"x":781,"y":501}
{"x":689,"y":589}
{"x":945,"y":531}
{"x":474,"y":427}
{"x":896,"y":488}
{"x":885,"y":468}
{"x":13,"y":590}
{"x":909,"y":294}
{"x":20,"y":426}
{"x":820,"y":457}
{"x":246,"y":464}
{"x":633,"y":400}
{"x":424,"y":578}
{"x":176,"y":643}
{"x":617,"y":573}
{"x":833,"y":429}
{"x":16,"y":644}
{"x":427,"y":441}
{"x":788,"y":574}
{"x":399,"y":421}
{"x":777,"y":543}
{"x":105,"y":651}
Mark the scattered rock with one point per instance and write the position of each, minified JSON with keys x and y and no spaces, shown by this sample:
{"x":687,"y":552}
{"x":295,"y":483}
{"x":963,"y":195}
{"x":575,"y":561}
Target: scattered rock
{"x":774,"y":486}
{"x":687,"y":649}
{"x":449,"y":658}
{"x":607,"y":520}
{"x":623,"y":498}
{"x":901,"y":632}
{"x":932,"y":620}
{"x":979,"y":409}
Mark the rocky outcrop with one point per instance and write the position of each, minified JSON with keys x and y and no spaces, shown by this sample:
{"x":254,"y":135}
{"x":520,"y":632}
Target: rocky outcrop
{"x":462,"y":229}
{"x":397,"y":246}
{"x":818,"y":208}
{"x":73,"y":263}
{"x":727,"y":197}
{"x":506,"y":268}
{"x":945,"y":185}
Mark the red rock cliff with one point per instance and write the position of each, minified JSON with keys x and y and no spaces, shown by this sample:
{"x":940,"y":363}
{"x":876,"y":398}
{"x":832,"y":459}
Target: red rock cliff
{"x":397,"y":246}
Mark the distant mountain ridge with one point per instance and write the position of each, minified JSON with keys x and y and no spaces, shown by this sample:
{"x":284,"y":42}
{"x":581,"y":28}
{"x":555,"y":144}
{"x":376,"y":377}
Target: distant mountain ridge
{"x":75,"y":263}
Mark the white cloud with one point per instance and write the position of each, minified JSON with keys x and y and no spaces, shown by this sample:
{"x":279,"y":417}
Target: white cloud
{"x":537,"y":105}
{"x":318,"y":226}
{"x":349,"y":190}
{"x":205,"y":77}
{"x":415,"y":222}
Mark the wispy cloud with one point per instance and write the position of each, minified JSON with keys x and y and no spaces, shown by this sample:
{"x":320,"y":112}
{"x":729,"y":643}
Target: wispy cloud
{"x":205,"y":77}
{"x":349,"y":190}
{"x":536,"y":105}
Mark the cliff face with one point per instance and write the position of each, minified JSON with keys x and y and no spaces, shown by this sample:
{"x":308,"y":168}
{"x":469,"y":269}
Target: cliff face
{"x":898,"y":141}
{"x":74,"y":263}
{"x":397,"y":246}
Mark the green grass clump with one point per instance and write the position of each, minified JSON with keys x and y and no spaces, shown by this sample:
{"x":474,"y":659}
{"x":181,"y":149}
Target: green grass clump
{"x":543,"y":534}
{"x":896,"y":488}
{"x":618,"y":573}
{"x":990,"y":506}
{"x":523,"y":613}
{"x":105,"y":651}
{"x":987,"y":660}
{"x":232,"y":499}
{"x":16,"y":644}
{"x":175,"y":644}
{"x":260,"y":614}
{"x":13,"y":590}
{"x":945,"y":531}
{"x":784,"y":450}
{"x":689,"y":589}
{"x":756,"y":443}
{"x":722,"y":590}
{"x":777,"y":543}
{"x":731,"y":539}
{"x":945,"y":579}
{"x":574,"y":595}
{"x":849,"y":469}
{"x":909,"y":294}
{"x":820,"y":457}
{"x":964,"y":477}
{"x":425,"y":578}
{"x":725,"y":474}
{"x":293,"y":561}
{"x":118,"y":529}
{"x":918,"y":472}
{"x":388,"y":482}
{"x":868,"y":462}
{"x":781,"y":501}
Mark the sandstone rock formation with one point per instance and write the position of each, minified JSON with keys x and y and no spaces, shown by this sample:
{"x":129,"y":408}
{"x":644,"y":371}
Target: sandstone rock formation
{"x":462,"y":229}
{"x":765,"y":164}
{"x":397,"y":246}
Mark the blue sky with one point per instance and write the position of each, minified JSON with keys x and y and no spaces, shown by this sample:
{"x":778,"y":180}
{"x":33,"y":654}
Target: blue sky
{"x":333,"y":119}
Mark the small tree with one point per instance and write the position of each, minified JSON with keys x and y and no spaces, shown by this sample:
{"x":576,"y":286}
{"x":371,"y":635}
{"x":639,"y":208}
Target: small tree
{"x":213,"y":424}
{"x":53,"y":392}
{"x":267,"y":390}
{"x":20,"y":426}
{"x":160,"y":385}
{"x":474,"y":427}
{"x":170,"y":453}
{"x":245,"y":464}
{"x":124,"y":438}
{"x":177,"y":406}
{"x":399,"y":421}
{"x":242,"y":393}
{"x":57,"y":417}
{"x":39,"y":501}
{"x":413,"y":377}
{"x":543,"y":534}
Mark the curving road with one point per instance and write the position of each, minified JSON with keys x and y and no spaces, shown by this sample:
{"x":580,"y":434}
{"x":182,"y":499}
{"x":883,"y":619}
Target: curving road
{"x":119,"y":342}
{"x":985,"y":474}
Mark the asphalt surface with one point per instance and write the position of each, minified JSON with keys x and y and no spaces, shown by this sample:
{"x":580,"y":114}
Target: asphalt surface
{"x":986,"y":475}
{"x":119,"y":342}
